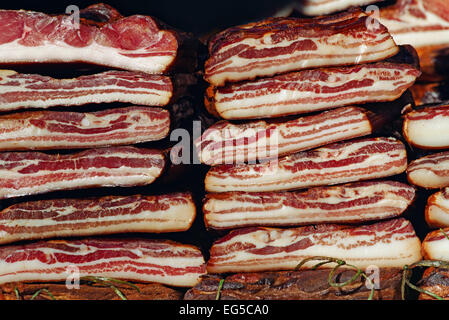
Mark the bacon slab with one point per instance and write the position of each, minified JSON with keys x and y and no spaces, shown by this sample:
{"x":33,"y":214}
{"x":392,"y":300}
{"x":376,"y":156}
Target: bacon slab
{"x":134,"y":43}
{"x":430,"y":172}
{"x":84,"y":217}
{"x":322,"y":7}
{"x":352,"y":203}
{"x":277,"y":45}
{"x":228,"y":143}
{"x":160,"y":261}
{"x":18,"y":91}
{"x":312,"y":90}
{"x":436,"y":245}
{"x":427,"y":128}
{"x":391,"y":243}
{"x":27,"y":173}
{"x":436,"y":281}
{"x":42,"y":130}
{"x":356,"y":160}
{"x":430,"y":93}
{"x":437,"y":209}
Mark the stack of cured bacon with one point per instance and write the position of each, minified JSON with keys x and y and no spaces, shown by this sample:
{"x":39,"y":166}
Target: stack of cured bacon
{"x":144,"y":51}
{"x":309,"y":172}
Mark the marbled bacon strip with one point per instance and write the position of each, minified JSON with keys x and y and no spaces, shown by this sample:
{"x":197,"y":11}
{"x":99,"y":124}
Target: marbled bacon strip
{"x":322,"y":7}
{"x":107,"y":215}
{"x":277,"y":45}
{"x":430,"y":172}
{"x":228,"y":143}
{"x":158,"y":261}
{"x":134,"y":43}
{"x":436,"y":245}
{"x":312,"y":90}
{"x":351,"y":203}
{"x":391,"y":243}
{"x":337,"y":163}
{"x":27,"y":173}
{"x":427,"y":128}
{"x":18,"y":91}
{"x":42,"y":130}
{"x":437,"y":209}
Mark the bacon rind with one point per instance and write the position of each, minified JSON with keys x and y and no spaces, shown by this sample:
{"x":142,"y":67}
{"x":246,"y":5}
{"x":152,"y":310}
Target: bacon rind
{"x":391,"y":243}
{"x":43,"y":130}
{"x":430,"y":172}
{"x":426,"y":128}
{"x":134,"y":43}
{"x":229,"y":143}
{"x":351,"y":203}
{"x":322,"y":7}
{"x":437,"y":209}
{"x":355,"y":160}
{"x":436,"y":245}
{"x":21,"y":91}
{"x":277,"y":45}
{"x":311,"y":90}
{"x":160,"y":261}
{"x":87,"y":217}
{"x":28,"y":173}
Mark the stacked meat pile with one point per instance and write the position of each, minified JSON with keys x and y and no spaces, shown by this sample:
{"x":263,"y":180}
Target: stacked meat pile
{"x":281,"y":172}
{"x":143,"y":50}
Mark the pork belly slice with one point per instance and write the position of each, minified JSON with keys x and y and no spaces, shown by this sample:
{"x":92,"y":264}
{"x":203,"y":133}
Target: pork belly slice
{"x":41,"y":130}
{"x":427,"y":128}
{"x":21,"y":91}
{"x":430,"y":172}
{"x":351,"y":203}
{"x":135,"y":43}
{"x":317,"y":89}
{"x":27,"y":173}
{"x":107,"y":215}
{"x":391,"y":243}
{"x":278,"y":45}
{"x":160,"y":261}
{"x":436,"y":281}
{"x":437,"y":209}
{"x":322,"y":7}
{"x":436,"y":245}
{"x":342,"y":162}
{"x":296,"y":285}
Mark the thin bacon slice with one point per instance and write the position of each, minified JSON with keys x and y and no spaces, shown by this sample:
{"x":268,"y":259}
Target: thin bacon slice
{"x":134,"y":43}
{"x":160,"y":261}
{"x":27,"y":173}
{"x":42,"y":130}
{"x":430,"y":172}
{"x":317,"y":89}
{"x":351,"y":203}
{"x":84,"y":217}
{"x":322,"y":7}
{"x":436,"y":245}
{"x":18,"y":91}
{"x":437,"y":209}
{"x":391,"y":243}
{"x":277,"y":45}
{"x":356,"y":160}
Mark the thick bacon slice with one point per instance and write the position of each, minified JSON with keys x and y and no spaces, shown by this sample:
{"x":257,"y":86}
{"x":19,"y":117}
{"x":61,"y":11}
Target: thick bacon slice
{"x":26,"y":173}
{"x":356,"y":160}
{"x":83,"y":217}
{"x":19,"y":91}
{"x":312,"y":90}
{"x":352,"y":203}
{"x":322,"y":7}
{"x":278,"y":45}
{"x":391,"y":243}
{"x":134,"y":43}
{"x":437,"y":209}
{"x":159,"y":261}
{"x":436,"y":245}
{"x":69,"y":130}
{"x":430,"y":172}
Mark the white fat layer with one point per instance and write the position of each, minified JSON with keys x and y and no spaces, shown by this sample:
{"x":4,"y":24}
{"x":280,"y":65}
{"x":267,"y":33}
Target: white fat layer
{"x":431,"y":133}
{"x":436,"y":250}
{"x":320,"y":7}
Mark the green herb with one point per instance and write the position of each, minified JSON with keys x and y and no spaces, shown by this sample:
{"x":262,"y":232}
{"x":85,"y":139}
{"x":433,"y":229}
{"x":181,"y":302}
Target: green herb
{"x":220,"y":286}
{"x":16,"y":291}
{"x":444,"y":233}
{"x":109,"y":282}
{"x":38,"y":292}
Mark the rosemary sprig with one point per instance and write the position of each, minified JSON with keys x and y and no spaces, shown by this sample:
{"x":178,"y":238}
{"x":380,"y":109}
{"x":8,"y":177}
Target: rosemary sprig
{"x":220,"y":286}
{"x":16,"y":291}
{"x":38,"y":292}
{"x":444,"y":233}
{"x":339,"y":263}
{"x":109,"y":282}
